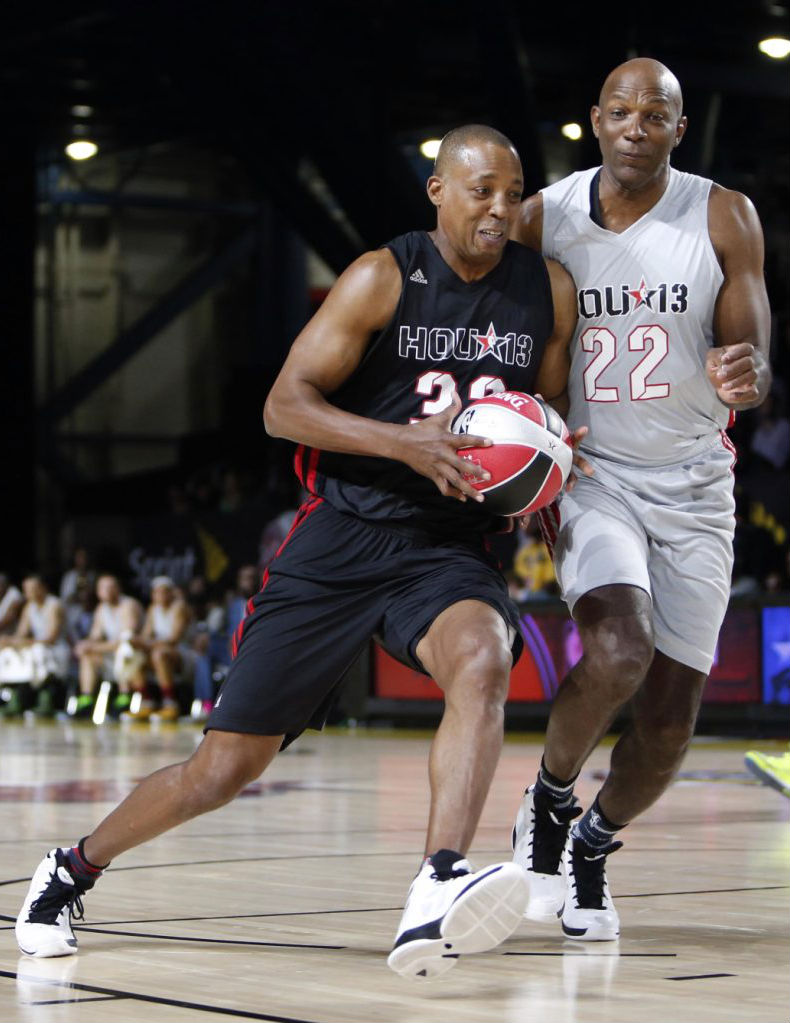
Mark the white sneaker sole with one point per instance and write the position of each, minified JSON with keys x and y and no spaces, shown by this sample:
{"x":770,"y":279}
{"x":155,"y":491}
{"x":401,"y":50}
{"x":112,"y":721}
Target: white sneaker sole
{"x":595,"y":930}
{"x":546,"y":897}
{"x":45,"y":946}
{"x":479,"y":919}
{"x":546,"y":891}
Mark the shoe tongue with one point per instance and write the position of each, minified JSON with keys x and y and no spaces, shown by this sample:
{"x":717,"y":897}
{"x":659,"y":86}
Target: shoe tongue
{"x":65,"y":876}
{"x":448,"y":862}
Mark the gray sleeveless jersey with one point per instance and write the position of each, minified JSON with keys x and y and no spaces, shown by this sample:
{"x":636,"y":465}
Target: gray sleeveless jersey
{"x":645,"y":301}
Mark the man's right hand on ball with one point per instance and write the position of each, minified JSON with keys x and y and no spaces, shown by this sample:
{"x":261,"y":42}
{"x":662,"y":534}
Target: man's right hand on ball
{"x":431,"y":449}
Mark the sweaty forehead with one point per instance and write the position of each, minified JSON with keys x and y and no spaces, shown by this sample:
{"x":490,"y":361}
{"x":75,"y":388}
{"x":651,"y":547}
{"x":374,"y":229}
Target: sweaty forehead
{"x":484,"y":160}
{"x":642,"y":88}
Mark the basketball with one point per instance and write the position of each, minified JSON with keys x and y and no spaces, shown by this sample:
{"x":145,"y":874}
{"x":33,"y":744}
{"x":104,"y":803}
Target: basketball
{"x":531,"y":456}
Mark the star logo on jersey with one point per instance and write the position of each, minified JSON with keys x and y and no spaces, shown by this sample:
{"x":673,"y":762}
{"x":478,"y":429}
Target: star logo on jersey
{"x":489,"y":343}
{"x":642,"y":294}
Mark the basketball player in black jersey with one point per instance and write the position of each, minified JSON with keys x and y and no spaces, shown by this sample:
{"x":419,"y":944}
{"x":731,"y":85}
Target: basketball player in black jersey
{"x":390,"y":543}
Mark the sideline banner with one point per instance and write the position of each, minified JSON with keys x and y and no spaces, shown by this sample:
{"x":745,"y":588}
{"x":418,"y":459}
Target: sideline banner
{"x":552,"y":646}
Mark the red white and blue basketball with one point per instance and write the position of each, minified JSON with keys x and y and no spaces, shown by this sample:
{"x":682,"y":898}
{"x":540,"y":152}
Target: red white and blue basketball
{"x":531,"y":456}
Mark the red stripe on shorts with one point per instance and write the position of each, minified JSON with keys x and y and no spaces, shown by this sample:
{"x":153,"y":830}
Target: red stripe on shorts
{"x":307,"y":509}
{"x":307,"y":479}
{"x":312,"y":467}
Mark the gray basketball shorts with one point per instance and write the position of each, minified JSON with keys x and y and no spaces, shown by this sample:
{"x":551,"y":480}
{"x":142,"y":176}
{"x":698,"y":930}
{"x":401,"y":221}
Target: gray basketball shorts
{"x":667,"y":530}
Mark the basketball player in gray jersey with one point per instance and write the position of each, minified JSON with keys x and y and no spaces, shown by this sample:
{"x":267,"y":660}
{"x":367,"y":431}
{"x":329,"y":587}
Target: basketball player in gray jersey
{"x":671,"y":339}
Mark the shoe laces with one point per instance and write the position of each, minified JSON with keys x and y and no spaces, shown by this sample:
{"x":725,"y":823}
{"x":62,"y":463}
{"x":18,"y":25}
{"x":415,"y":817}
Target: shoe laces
{"x":54,"y":899}
{"x":589,"y":873}
{"x":550,"y":826}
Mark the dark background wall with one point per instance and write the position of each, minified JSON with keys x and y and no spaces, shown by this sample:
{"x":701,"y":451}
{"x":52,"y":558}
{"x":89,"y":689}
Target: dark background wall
{"x":247,"y":152}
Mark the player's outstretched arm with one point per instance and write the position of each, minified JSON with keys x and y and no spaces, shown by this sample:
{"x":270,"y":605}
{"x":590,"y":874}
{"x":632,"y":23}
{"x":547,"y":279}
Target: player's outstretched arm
{"x":324,"y":356}
{"x":738,"y":367}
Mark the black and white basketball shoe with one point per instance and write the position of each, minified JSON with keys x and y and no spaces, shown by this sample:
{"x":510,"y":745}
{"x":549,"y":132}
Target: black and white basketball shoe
{"x":54,"y":898}
{"x":589,"y":913}
{"x":453,"y":910}
{"x":540,"y":835}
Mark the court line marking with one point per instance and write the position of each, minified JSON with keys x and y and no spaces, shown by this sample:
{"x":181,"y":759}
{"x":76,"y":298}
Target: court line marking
{"x":702,"y":976}
{"x":237,"y":916}
{"x":346,"y":855}
{"x":157,"y":1000}
{"x":599,"y":955}
{"x":72,"y":1001}
{"x":208,"y":941}
{"x":376,"y":909}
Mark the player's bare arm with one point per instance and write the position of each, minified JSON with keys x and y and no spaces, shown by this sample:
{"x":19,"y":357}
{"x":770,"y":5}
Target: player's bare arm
{"x":738,"y":367}
{"x":552,"y":379}
{"x":325,"y":355}
{"x":528,"y":228}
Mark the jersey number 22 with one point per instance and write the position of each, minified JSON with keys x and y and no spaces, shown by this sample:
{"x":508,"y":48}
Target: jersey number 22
{"x":603,"y":342}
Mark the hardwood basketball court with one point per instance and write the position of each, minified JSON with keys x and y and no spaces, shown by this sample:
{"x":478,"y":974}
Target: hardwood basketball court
{"x":283,"y":905}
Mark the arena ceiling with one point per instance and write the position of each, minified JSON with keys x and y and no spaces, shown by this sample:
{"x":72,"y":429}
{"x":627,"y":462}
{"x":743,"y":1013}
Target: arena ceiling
{"x":349,"y":89}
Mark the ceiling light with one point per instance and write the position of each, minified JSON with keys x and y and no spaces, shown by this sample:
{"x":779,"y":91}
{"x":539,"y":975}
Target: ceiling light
{"x":572,"y":131}
{"x":777,"y":47}
{"x":430,"y":148}
{"x":82,"y":149}
{"x":81,"y":110}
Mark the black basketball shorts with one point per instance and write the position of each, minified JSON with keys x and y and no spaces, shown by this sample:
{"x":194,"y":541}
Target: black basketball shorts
{"x":335,"y":582}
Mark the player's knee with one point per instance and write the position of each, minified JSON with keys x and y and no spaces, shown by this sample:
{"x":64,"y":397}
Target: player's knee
{"x":480,"y":672}
{"x":211,"y":784}
{"x":618,"y":656}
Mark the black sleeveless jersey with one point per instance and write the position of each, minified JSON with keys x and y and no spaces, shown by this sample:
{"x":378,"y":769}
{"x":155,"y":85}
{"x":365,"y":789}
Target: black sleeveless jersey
{"x":446,"y":335}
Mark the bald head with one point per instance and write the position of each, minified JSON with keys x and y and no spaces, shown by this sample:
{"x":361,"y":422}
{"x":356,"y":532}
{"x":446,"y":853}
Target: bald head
{"x":643,"y":74}
{"x":457,"y":143}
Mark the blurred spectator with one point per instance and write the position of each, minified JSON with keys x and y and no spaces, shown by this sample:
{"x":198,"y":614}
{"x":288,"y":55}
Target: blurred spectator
{"x":79,"y":612}
{"x":231,"y":497}
{"x":79,"y":572}
{"x":533,"y":567}
{"x":771,"y":438}
{"x":38,"y":653}
{"x":177,"y":500}
{"x":108,"y":649}
{"x":163,"y":640}
{"x":11,"y":601}
{"x":248,"y":582}
{"x":209,"y":642}
{"x":202,"y":492}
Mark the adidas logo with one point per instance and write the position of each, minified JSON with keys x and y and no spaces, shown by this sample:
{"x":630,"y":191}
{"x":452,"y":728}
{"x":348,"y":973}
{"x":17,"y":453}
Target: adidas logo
{"x":418,"y":277}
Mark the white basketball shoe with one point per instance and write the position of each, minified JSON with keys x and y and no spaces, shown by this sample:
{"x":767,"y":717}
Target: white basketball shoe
{"x":539,"y":838}
{"x":452,"y":910}
{"x":54,"y":898}
{"x":589,"y":913}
